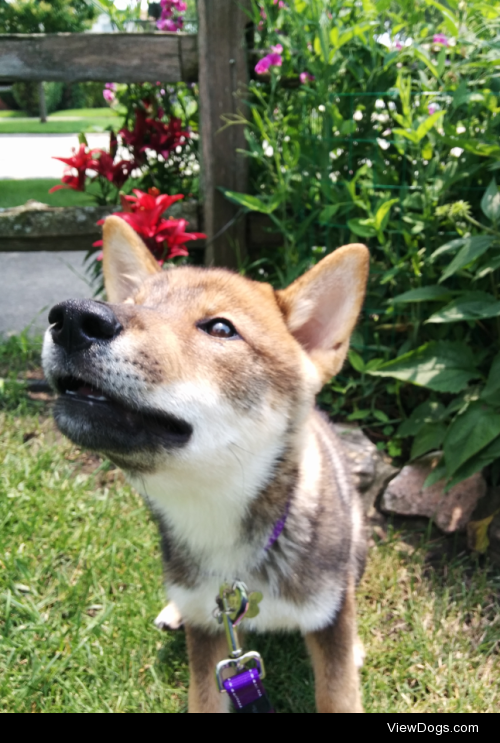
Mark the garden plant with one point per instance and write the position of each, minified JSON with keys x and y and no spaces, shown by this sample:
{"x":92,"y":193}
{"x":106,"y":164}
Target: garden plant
{"x":378,"y":122}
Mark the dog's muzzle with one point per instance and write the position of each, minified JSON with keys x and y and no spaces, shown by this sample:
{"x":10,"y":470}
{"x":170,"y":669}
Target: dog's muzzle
{"x":97,"y":405}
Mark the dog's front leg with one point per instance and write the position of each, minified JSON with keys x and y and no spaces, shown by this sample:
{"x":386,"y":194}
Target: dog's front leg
{"x":205,"y":650}
{"x":333,"y":656}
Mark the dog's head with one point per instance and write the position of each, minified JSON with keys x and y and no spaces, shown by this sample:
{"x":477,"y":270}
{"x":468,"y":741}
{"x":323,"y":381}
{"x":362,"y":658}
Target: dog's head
{"x":185,"y":362}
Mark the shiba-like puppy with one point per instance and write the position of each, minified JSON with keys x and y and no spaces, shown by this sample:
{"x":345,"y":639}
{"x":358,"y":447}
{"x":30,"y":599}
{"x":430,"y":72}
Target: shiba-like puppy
{"x":200,"y":384}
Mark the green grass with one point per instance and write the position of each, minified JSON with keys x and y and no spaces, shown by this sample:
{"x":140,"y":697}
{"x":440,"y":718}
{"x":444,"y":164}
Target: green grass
{"x":80,"y":585}
{"x":16,"y":193}
{"x":62,"y":122}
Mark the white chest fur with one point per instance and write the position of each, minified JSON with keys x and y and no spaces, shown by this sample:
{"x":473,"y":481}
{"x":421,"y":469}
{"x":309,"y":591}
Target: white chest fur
{"x":204,"y":504}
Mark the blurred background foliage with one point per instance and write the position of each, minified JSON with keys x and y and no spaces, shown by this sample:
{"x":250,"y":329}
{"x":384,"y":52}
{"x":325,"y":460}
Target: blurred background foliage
{"x":379,"y":124}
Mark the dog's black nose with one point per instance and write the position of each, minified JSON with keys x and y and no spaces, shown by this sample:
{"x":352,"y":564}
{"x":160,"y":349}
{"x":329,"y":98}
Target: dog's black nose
{"x":78,"y":323}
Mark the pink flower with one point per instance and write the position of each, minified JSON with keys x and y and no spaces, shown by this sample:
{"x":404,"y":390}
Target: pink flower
{"x":399,"y":46}
{"x":440,"y":39}
{"x":108,"y":95}
{"x":280,"y":4}
{"x":432,"y":108}
{"x":306,"y":77}
{"x":270,"y":60}
{"x":277,"y":49}
{"x":110,"y":86}
{"x":167,"y":24}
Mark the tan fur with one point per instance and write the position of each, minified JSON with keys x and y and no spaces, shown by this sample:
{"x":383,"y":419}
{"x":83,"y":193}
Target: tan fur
{"x":204,"y":652}
{"x":256,"y":447}
{"x":333,"y":658}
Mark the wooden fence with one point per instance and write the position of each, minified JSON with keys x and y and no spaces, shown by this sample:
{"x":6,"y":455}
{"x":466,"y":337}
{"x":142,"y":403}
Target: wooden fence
{"x":216,"y":57}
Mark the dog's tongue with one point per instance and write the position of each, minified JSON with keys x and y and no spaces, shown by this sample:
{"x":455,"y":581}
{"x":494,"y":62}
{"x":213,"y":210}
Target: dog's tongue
{"x":86,"y":389}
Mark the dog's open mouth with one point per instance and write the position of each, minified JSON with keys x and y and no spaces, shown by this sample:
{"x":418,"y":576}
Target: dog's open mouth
{"x":79,"y":389}
{"x":96,"y":420}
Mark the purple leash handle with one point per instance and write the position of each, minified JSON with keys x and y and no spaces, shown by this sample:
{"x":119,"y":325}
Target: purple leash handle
{"x":247,"y":692}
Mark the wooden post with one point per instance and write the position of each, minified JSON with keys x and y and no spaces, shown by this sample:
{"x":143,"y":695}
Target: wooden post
{"x":223,"y":70}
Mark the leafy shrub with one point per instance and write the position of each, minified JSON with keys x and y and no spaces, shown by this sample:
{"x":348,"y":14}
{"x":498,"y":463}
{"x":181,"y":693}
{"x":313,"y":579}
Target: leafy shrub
{"x":27,"y":96}
{"x":380,"y":122}
{"x":33,"y":16}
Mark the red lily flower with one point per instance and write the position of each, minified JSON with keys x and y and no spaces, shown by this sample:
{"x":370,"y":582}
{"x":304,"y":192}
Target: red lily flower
{"x":164,"y":138}
{"x":165,"y":238}
{"x":79,"y":161}
{"x":115,"y":173}
{"x":151,"y":134}
{"x":135,"y":138}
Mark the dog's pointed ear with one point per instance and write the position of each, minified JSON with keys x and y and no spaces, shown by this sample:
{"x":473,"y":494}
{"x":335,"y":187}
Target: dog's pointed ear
{"x":126,"y":261}
{"x":321,"y":308}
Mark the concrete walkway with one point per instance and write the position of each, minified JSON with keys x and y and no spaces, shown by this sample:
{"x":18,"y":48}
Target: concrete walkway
{"x":31,"y":283}
{"x":30,"y":155}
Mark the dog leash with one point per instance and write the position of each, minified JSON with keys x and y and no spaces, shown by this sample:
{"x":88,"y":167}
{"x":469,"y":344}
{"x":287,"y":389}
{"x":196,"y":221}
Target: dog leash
{"x":234,"y":603}
{"x":245,"y":687}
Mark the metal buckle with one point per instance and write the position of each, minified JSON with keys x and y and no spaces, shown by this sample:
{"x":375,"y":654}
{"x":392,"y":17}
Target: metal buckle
{"x":238,"y":664}
{"x":232,"y":605}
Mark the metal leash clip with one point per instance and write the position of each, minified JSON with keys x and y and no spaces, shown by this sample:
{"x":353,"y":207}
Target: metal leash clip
{"x":233,"y":603}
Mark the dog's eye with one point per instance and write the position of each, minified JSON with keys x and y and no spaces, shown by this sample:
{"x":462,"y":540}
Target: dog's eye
{"x":219,"y":328}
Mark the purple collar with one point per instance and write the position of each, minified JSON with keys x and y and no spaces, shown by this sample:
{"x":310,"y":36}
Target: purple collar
{"x":278,"y":528}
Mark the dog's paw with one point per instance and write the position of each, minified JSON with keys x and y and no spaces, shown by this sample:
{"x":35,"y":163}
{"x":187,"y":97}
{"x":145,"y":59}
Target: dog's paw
{"x":169,"y":618}
{"x":358,"y":652}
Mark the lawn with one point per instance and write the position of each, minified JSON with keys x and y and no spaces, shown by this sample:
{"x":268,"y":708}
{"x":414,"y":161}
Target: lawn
{"x":62,"y":122}
{"x":80,"y":585}
{"x":16,"y":193}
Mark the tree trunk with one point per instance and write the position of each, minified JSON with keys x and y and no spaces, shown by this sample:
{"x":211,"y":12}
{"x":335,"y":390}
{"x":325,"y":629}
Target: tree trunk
{"x":42,"y":103}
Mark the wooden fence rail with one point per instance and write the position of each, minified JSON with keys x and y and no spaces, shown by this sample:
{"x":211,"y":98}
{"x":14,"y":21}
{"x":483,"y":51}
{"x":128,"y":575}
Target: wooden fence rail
{"x":216,"y":56}
{"x":120,"y":58}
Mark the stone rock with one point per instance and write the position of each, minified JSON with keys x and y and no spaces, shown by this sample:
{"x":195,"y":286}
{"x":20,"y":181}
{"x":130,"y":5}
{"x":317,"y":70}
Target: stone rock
{"x":36,"y":226}
{"x":406,"y":496}
{"x":370,"y":469}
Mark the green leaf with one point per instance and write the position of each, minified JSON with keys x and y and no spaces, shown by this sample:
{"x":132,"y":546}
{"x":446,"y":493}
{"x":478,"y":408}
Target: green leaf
{"x":250,"y":203}
{"x":484,"y":458}
{"x":424,"y":57}
{"x":441,"y":60}
{"x":358,"y":415}
{"x":362,"y":227}
{"x":382,"y":215}
{"x":444,"y":366}
{"x":407,"y":134}
{"x":472,"y":249}
{"x":381,"y":416}
{"x":330,"y":211}
{"x":427,"y":412}
{"x":450,"y":21}
{"x":432,"y":293}
{"x":428,"y":124}
{"x":487,"y":267}
{"x":356,"y":361}
{"x":483,"y":149}
{"x":436,"y":475}
{"x":430,"y":437}
{"x":448,"y":247}
{"x":490,"y":203}
{"x":470,"y":432}
{"x":470,"y":306}
{"x":491,"y":392}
